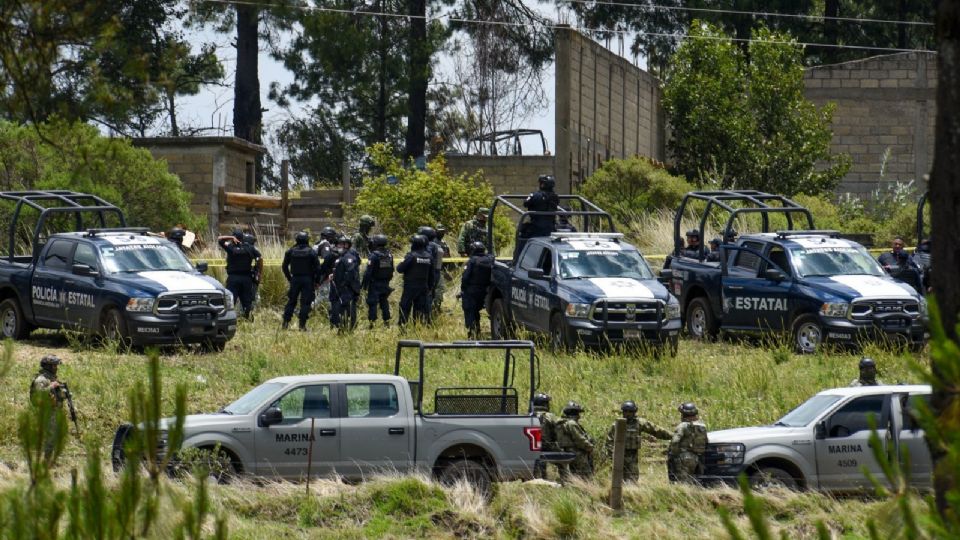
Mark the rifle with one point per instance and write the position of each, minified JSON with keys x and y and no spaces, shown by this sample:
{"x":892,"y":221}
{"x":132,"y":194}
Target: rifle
{"x":73,"y":410}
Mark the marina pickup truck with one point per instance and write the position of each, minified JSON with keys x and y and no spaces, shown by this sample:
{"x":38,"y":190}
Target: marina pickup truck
{"x":823,"y":444}
{"x":356,"y":425}
{"x":589,"y":288}
{"x":815,"y":286}
{"x":119,"y":283}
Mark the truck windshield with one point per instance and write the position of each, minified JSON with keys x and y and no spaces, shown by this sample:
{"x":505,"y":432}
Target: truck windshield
{"x":806,"y":412}
{"x":834,"y":261}
{"x":603,"y":263}
{"x":252,"y":399}
{"x":143,"y":258}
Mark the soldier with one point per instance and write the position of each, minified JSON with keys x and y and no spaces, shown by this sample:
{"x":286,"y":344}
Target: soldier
{"x":548,"y":431}
{"x":301,"y":267}
{"x":472,"y":231}
{"x":474,"y":283}
{"x":436,"y":254}
{"x":243,"y":260}
{"x":571,"y":437}
{"x":441,"y":232}
{"x":689,"y":442}
{"x":693,"y":245}
{"x":345,"y":287}
{"x":417,"y":270}
{"x":361,"y":240}
{"x":46,"y":386}
{"x":631,"y":452}
{"x":376,"y":279}
{"x":868,"y":373}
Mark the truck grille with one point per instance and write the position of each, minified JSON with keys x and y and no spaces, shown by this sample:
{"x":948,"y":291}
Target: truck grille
{"x":627,"y":311}
{"x":168,"y":304}
{"x":867,"y":309}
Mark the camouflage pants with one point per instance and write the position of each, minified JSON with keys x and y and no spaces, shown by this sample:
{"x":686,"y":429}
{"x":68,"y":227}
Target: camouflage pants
{"x":683,"y":467}
{"x":581,"y":466}
{"x":631,"y":466}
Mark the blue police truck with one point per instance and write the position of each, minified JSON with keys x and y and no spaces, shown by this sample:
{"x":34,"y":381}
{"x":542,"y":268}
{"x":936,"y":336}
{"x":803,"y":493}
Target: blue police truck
{"x":108,"y":280}
{"x":582,"y":284}
{"x":810,"y":284}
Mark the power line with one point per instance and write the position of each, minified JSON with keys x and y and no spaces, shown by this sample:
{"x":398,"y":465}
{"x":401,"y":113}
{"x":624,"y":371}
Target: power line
{"x":555,"y":26}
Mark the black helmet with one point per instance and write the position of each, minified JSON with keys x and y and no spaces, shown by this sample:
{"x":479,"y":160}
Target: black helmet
{"x":715,"y":241}
{"x":328,"y":233}
{"x":693,"y":233}
{"x":249,"y":239}
{"x":427,"y":231}
{"x":378,"y":240}
{"x":867,"y":362}
{"x":344,"y":239}
{"x":441,"y":230}
{"x":418,"y":242}
{"x":50,"y":362}
{"x":730,"y":235}
{"x":176,"y":234}
{"x":628,"y":406}
{"x":688,"y":409}
{"x":547,"y":182}
{"x":238,"y":234}
{"x":572,"y":408}
{"x":302,"y":238}
{"x":477,"y":248}
{"x":541,"y":400}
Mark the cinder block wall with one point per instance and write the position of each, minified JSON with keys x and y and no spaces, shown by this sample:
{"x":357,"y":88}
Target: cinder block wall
{"x":507,"y":174}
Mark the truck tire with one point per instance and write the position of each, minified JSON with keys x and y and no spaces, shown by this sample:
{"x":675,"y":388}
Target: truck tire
{"x":559,"y":337}
{"x":807,"y":334}
{"x":12,"y":322}
{"x":500,"y":327}
{"x":772,"y":477}
{"x":700,"y":321}
{"x":114,"y":328}
{"x":473,"y":472}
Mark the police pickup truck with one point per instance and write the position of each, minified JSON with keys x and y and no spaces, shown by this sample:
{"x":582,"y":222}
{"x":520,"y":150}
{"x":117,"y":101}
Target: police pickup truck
{"x":353,"y":426}
{"x":823,"y":444}
{"x":580,"y":287}
{"x":813,"y":285}
{"x":119,"y":283}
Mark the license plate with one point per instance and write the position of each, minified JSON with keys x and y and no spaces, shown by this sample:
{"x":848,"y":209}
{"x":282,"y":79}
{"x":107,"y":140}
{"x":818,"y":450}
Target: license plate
{"x":631,"y":334}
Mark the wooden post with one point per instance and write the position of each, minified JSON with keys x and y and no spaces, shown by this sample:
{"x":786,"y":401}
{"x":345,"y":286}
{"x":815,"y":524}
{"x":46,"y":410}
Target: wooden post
{"x":616,"y":483}
{"x":345,"y":174}
{"x":284,"y":196}
{"x":313,"y":435}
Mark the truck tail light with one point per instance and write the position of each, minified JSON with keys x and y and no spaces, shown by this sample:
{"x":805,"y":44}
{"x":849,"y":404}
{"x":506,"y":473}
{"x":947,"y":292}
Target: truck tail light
{"x":534,"y":435}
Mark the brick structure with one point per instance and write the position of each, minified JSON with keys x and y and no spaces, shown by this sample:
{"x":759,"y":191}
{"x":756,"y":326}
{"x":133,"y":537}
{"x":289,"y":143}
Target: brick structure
{"x":507,"y":174}
{"x":204,"y":165}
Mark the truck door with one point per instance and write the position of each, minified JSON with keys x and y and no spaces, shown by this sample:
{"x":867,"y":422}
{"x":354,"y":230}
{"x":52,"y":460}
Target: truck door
{"x":48,"y":289}
{"x":844,"y":451}
{"x":540,"y":291}
{"x":750,"y":300}
{"x":915,"y":457}
{"x":283,"y":449}
{"x":377,"y":430}
{"x":83,"y":292}
{"x":521,"y":296}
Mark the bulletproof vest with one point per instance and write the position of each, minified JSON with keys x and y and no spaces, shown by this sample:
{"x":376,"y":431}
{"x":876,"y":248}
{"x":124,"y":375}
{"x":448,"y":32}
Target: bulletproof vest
{"x":383,"y":265}
{"x":303,"y":261}
{"x":694,"y":438}
{"x":239,"y":258}
{"x":418,"y":273}
{"x":323,"y":248}
{"x":922,"y":260}
{"x":481,"y":269}
{"x":632,"y":440}
{"x":345,"y":266}
{"x":543,"y":201}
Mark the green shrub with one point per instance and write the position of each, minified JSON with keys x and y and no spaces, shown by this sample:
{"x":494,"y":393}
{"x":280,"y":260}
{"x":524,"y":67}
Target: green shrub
{"x":75,"y":156}
{"x":629,"y":187}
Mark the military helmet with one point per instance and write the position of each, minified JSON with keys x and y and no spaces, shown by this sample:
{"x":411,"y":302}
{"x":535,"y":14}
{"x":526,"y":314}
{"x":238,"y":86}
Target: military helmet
{"x":628,"y":406}
{"x":547,"y":182}
{"x":427,"y":231}
{"x":302,"y":238}
{"x":328,"y":233}
{"x":483,"y":212}
{"x":541,"y":400}
{"x":572,"y":408}
{"x":688,"y":409}
{"x":238,"y":234}
{"x":249,"y":239}
{"x":477,"y":248}
{"x":693,"y":233}
{"x":867,"y":362}
{"x":441,"y":230}
{"x":367,"y":220}
{"x":378,"y":240}
{"x":418,"y":242}
{"x":176,"y":234}
{"x":50,"y":361}
{"x":344,"y":239}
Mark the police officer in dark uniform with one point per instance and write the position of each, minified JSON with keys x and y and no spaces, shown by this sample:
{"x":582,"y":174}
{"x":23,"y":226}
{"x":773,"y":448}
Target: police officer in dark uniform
{"x":301,"y":267}
{"x":436,"y":253}
{"x":176,"y":235}
{"x":376,"y":279}
{"x":345,"y":286}
{"x":243,"y":260}
{"x":543,"y":200}
{"x":417,"y":270}
{"x":327,"y":243}
{"x":692,"y":249}
{"x":473,"y":287}
{"x":257,"y":273}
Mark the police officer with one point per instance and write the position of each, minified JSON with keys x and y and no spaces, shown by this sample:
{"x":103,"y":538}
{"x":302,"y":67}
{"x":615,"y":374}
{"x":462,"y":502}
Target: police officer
{"x":176,"y":236}
{"x":898,"y":263}
{"x":631,"y":449}
{"x":571,"y":437}
{"x":376,"y":279}
{"x":45,"y":385}
{"x":868,"y":373}
{"x":472,"y":231}
{"x":301,"y":267}
{"x":436,"y":253}
{"x":474,"y":283}
{"x":693,"y":245}
{"x":327,"y":243}
{"x":345,"y":287}
{"x":542,"y":200}
{"x":361,"y":240}
{"x":417,"y":270}
{"x":243,"y":260}
{"x":714,"y":254}
{"x":326,"y":250}
{"x":257,"y":273}
{"x":548,"y":431}
{"x":563,"y":222}
{"x":689,"y":442}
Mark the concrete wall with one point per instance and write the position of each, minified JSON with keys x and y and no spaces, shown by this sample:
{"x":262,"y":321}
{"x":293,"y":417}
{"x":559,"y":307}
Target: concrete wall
{"x":507,"y":174}
{"x":884,"y":104}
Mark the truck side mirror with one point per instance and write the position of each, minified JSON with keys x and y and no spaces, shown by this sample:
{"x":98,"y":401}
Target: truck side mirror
{"x":666,"y":274}
{"x":80,"y":269}
{"x":269,"y":417}
{"x":774,"y":274}
{"x":820,"y":430}
{"x":202,"y":267}
{"x":535,"y":273}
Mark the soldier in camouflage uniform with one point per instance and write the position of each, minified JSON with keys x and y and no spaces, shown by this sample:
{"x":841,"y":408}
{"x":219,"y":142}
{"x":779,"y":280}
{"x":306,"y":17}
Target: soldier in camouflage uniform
{"x":868,"y":373}
{"x":46,"y":384}
{"x":571,"y":437}
{"x":548,"y":431}
{"x":472,"y":231}
{"x":685,"y":456}
{"x":361,"y":240}
{"x":631,"y":452}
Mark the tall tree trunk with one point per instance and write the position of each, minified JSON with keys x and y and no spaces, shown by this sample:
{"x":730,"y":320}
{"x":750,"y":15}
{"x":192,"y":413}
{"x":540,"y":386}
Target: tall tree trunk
{"x":247,"y":116}
{"x":831,"y":8}
{"x":945,"y":224}
{"x":382,"y":46}
{"x":902,"y":28}
{"x":419,"y":77}
{"x":172,"y":111}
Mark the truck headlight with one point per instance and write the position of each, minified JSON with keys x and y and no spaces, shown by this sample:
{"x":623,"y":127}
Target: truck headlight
{"x":578,"y":311}
{"x":835,"y":309}
{"x":227,"y":300}
{"x":923,"y":308}
{"x":141,"y":304}
{"x":728,"y":453}
{"x":672,"y":310}
{"x":162,"y":439}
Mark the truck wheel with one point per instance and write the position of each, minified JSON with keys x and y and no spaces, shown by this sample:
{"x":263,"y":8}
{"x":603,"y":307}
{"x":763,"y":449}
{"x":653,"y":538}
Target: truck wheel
{"x":772,"y":477}
{"x":700,"y":322}
{"x":114,"y":328}
{"x":807,"y":334}
{"x":559,"y":339}
{"x":11,"y":320}
{"x":473,"y":472}
{"x":214,"y":346}
{"x":668,"y":348}
{"x":499,"y":324}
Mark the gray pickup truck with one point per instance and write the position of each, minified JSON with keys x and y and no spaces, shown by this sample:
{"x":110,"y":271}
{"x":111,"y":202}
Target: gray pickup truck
{"x":823,"y":444}
{"x":355,"y":425}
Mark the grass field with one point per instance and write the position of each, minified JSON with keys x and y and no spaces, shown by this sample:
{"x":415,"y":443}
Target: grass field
{"x":733,"y":383}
